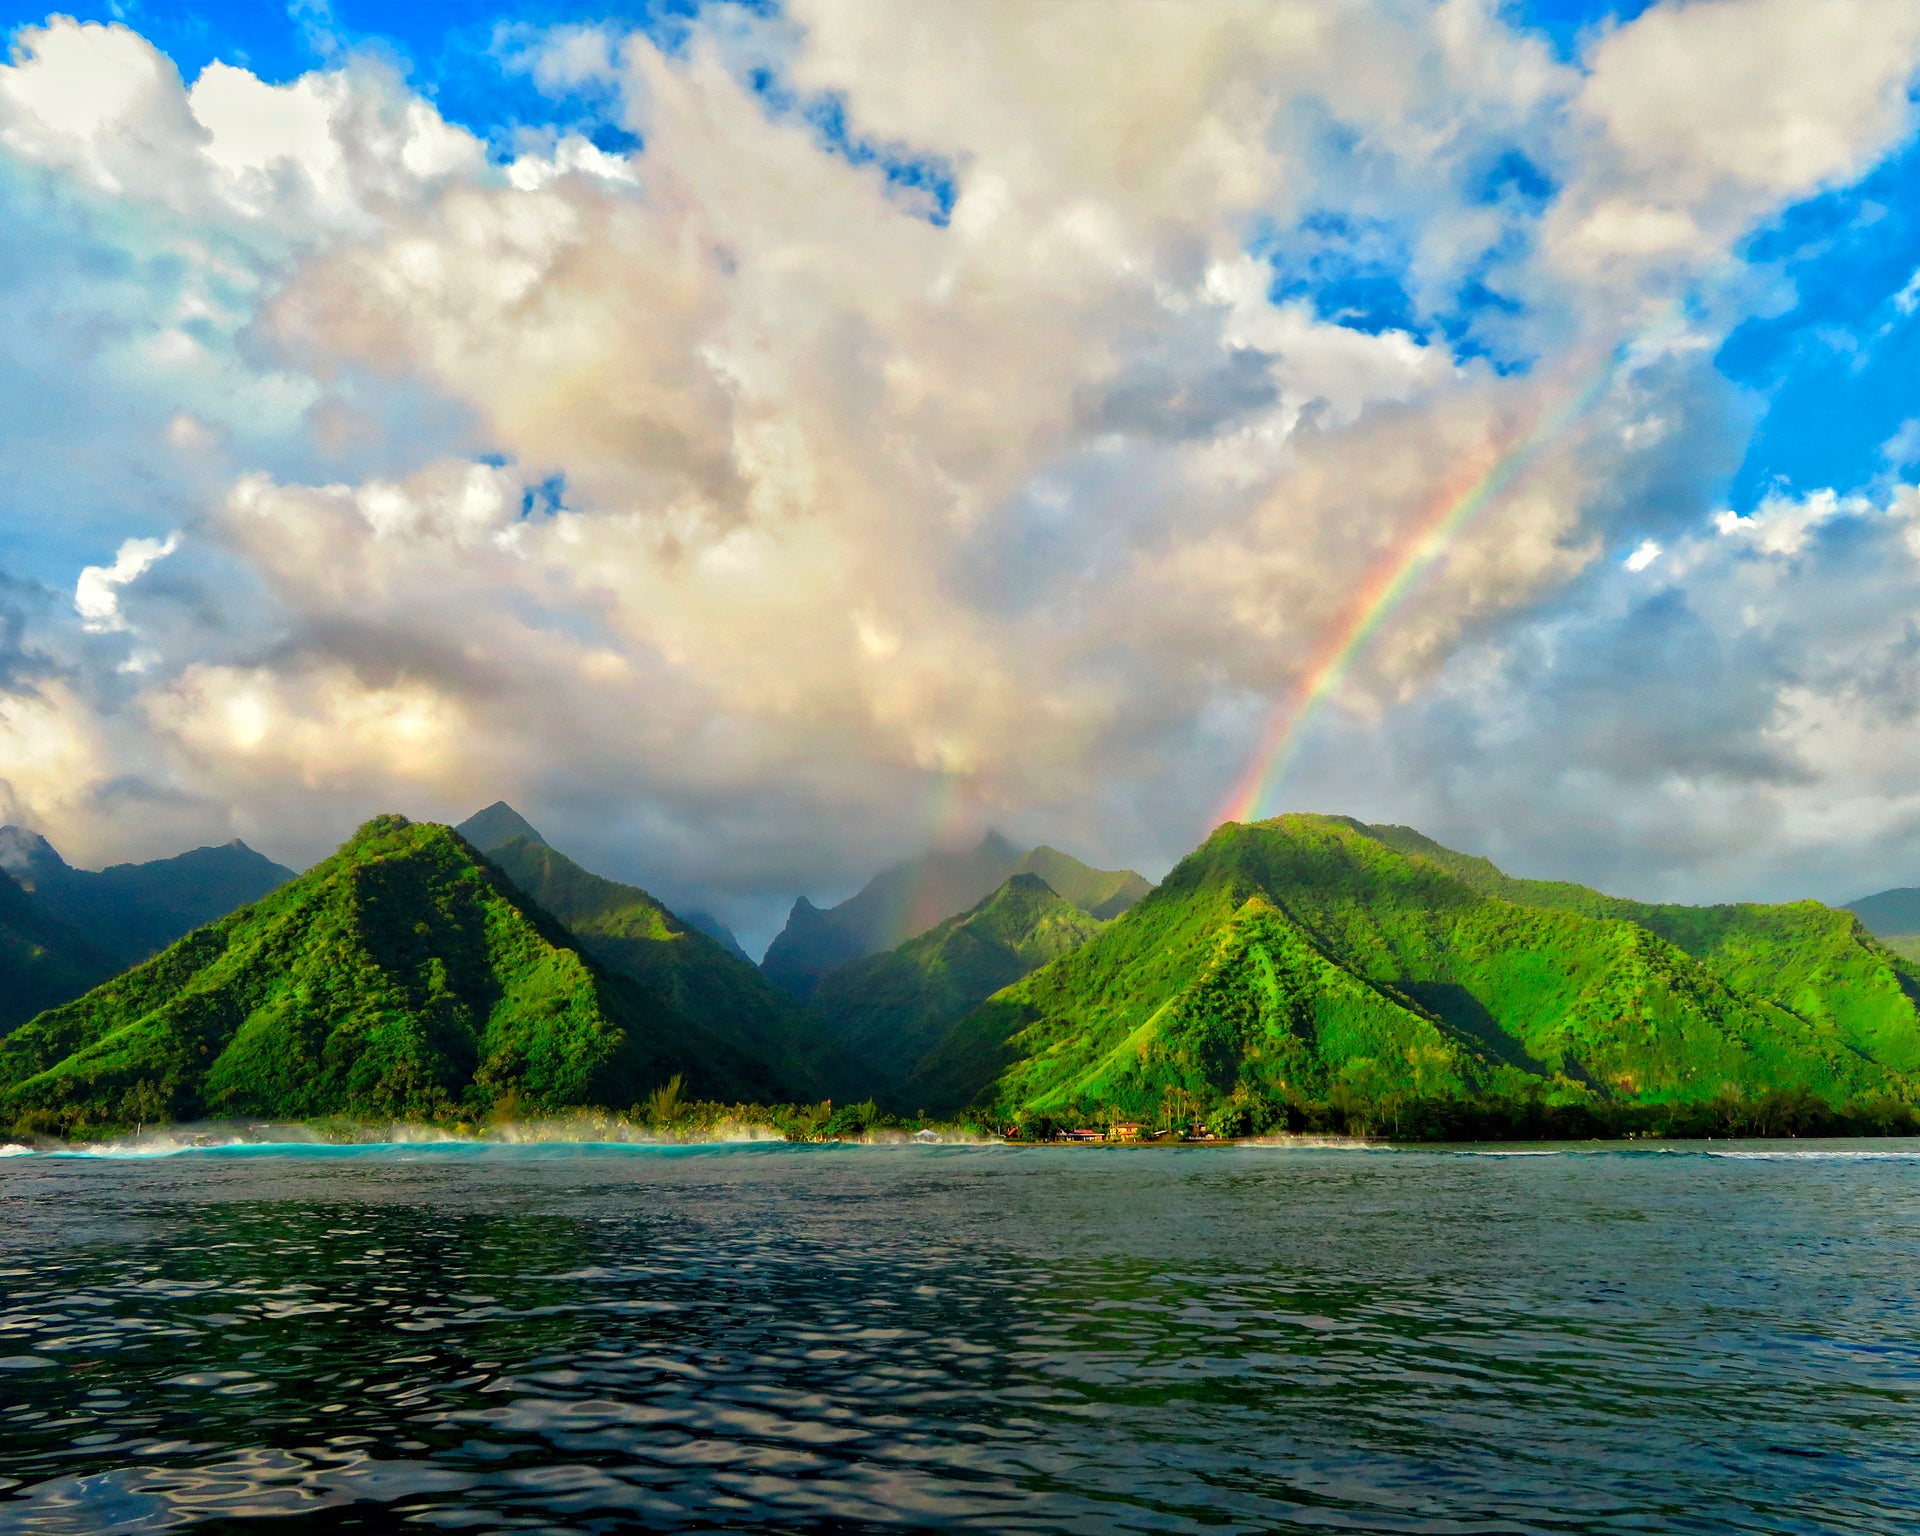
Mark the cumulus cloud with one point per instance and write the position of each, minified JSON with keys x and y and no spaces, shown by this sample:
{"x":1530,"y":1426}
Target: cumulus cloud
{"x":96,"y":595}
{"x":961,"y":407}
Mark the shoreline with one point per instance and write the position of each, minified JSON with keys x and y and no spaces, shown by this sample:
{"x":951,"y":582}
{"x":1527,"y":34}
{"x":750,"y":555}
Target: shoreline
{"x":294,"y":1139}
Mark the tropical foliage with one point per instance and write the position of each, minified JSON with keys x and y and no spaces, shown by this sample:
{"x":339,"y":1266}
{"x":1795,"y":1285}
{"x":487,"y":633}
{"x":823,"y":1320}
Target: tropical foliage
{"x":1291,"y":967}
{"x":402,"y":977}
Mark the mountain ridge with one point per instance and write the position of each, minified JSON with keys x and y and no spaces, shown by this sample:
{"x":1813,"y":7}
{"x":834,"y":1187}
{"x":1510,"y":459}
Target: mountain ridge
{"x":402,"y":976}
{"x":1524,"y":999}
{"x":891,"y":1008}
{"x":910,"y":897}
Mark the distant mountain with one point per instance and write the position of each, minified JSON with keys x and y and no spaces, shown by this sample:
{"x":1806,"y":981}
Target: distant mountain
{"x":890,"y":1009}
{"x":628,"y":931}
{"x":1313,"y":960}
{"x":1101,"y":893}
{"x":1894,"y":918}
{"x":910,"y":897}
{"x":497,"y":825}
{"x":718,"y":931}
{"x":400,"y":977}
{"x":130,"y":911}
{"x":43,"y":961}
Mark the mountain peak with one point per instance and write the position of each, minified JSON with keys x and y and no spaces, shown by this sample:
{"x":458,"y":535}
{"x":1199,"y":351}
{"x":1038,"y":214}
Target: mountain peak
{"x":496,"y":826}
{"x":28,"y":856}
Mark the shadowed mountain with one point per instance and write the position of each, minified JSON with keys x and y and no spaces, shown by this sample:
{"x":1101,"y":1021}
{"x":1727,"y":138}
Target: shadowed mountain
{"x":910,"y":897}
{"x":43,"y":961}
{"x":629,"y":931}
{"x":889,"y":1010}
{"x":498,"y":824}
{"x":718,"y":931}
{"x":403,"y":976}
{"x":1893,"y":917}
{"x":1297,"y":960}
{"x":130,"y":911}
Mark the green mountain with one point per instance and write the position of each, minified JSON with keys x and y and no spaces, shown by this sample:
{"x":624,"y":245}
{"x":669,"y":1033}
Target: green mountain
{"x":403,"y":976}
{"x":1893,"y":917}
{"x":496,"y":826}
{"x":134,"y":910}
{"x":1101,"y":893}
{"x":43,"y":962}
{"x":910,"y":897}
{"x":629,"y":932}
{"x":889,"y":1010}
{"x":1310,"y":960}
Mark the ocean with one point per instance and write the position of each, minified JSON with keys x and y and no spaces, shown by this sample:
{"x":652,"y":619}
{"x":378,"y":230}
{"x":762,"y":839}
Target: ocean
{"x":579,"y":1338}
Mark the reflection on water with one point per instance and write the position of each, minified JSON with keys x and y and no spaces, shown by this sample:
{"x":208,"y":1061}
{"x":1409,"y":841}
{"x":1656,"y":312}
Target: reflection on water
{"x":843,"y":1339}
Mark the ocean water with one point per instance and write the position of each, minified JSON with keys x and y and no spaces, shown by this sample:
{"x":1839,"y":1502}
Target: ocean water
{"x":847,"y":1339}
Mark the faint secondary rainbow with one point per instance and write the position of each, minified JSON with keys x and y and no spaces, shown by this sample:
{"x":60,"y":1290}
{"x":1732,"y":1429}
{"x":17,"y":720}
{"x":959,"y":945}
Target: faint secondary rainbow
{"x":1460,"y":500}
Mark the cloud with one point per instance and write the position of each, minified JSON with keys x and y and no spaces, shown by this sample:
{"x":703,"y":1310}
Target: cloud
{"x":96,"y":595}
{"x":955,"y":412}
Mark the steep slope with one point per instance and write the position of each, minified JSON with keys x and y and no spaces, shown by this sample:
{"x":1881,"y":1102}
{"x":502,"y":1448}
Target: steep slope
{"x":1520,"y":998}
{"x":1101,"y":893}
{"x":889,"y":1010}
{"x":133,"y":910}
{"x":43,"y":962}
{"x":401,"y":976}
{"x":497,"y":825}
{"x":910,"y":897}
{"x":719,"y":932}
{"x":630,"y":932}
{"x":1817,"y":962}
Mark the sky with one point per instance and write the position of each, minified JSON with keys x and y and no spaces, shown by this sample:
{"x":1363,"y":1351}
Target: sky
{"x":763,"y":440}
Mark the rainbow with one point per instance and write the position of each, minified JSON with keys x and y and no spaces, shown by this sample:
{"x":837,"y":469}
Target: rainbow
{"x":1464,"y":496}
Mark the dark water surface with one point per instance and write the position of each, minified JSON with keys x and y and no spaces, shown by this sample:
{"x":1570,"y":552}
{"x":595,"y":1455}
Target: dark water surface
{"x":854,"y":1339}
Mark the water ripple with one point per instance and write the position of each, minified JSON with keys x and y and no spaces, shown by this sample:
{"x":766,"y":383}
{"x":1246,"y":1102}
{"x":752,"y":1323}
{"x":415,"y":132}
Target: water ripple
{"x":902,"y":1339}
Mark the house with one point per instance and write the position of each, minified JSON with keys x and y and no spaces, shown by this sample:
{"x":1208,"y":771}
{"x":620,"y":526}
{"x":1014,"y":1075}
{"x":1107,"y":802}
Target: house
{"x":1085,"y":1133}
{"x":1125,"y":1130}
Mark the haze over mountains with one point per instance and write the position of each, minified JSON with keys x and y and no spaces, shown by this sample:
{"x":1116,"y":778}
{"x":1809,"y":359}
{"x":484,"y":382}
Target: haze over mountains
{"x":1301,"y":971}
{"x":911,"y":896}
{"x":63,"y":929}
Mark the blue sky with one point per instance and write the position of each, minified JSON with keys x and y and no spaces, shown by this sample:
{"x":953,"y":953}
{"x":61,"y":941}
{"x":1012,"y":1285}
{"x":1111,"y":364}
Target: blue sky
{"x":759,"y":440}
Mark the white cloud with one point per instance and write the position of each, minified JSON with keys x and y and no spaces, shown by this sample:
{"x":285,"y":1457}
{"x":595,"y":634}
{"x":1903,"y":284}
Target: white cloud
{"x":96,"y":595}
{"x":813,"y":508}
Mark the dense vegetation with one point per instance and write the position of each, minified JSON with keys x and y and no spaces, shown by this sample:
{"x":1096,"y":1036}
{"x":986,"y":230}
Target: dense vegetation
{"x":890,"y":1010}
{"x":1308,"y":971}
{"x":631,"y":933}
{"x":402,"y":977}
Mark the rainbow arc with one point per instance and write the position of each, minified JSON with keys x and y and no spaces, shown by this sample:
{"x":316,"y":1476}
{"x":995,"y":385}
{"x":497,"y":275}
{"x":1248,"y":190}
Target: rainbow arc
{"x":1467,"y":493}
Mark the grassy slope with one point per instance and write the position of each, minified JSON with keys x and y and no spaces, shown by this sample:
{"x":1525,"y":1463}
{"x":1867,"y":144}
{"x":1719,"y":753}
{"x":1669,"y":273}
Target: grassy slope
{"x":43,"y":961}
{"x":402,"y":976}
{"x":1515,"y":992}
{"x":628,"y":931}
{"x":889,"y":1010}
{"x":1819,"y":963}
